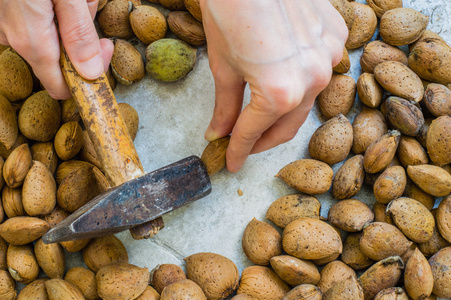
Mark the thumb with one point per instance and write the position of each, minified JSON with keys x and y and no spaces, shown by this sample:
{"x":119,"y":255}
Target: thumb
{"x":79,"y":37}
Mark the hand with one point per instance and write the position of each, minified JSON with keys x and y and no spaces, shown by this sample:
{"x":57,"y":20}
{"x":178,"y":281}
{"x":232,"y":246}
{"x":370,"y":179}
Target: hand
{"x":29,"y":28}
{"x":285,"y":51}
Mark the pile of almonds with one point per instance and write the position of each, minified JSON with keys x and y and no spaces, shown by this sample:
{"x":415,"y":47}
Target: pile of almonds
{"x":401,"y":148}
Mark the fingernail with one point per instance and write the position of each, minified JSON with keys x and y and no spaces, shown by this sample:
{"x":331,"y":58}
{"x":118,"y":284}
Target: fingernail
{"x":92,"y":68}
{"x":210,"y":134}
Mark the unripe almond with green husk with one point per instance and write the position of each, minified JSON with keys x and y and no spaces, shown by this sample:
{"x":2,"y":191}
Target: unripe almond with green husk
{"x":439,"y":140}
{"x":17,"y":166}
{"x":170,"y":59}
{"x":217,"y":275}
{"x":8,"y":123}
{"x":381,"y":152}
{"x":402,"y":26}
{"x":148,"y":23}
{"x":114,"y":19}
{"x":127,"y":63}
{"x":186,"y":27}
{"x":16,"y":82}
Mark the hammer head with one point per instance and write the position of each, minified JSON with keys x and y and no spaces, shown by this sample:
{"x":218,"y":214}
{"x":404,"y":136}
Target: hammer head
{"x":135,"y":202}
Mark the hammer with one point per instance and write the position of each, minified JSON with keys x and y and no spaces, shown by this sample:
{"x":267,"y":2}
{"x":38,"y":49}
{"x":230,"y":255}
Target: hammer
{"x":137,"y":200}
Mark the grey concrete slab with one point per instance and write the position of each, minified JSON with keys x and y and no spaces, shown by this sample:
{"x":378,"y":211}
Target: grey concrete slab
{"x":173,"y":118}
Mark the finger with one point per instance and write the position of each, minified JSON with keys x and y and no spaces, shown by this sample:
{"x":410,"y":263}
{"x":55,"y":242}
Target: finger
{"x":79,"y":37}
{"x":92,"y":6}
{"x":285,"y":128}
{"x":107,"y":49}
{"x":229,"y":90}
{"x":256,"y":118}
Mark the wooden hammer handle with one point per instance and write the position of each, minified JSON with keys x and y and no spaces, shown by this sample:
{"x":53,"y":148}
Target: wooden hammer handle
{"x":106,"y":127}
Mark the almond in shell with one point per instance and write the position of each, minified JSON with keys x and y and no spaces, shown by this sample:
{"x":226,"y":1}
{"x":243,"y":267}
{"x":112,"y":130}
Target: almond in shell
{"x":214,"y":155}
{"x":8,"y":123}
{"x":338,"y":97}
{"x":332,"y":141}
{"x":260,"y":242}
{"x":402,"y":26}
{"x":295,"y":271}
{"x":390,"y":184}
{"x":289,"y":208}
{"x":380,"y":213}
{"x":381,"y":240}
{"x":437,"y":98}
{"x":393,"y":293}
{"x":364,"y":26}
{"x":7,"y":286}
{"x":304,"y":292}
{"x":333,"y":273}
{"x":369,"y":90}
{"x":34,"y":290}
{"x":50,"y":258}
{"x":22,"y":264}
{"x":349,"y":178}
{"x":217,"y":275}
{"x":344,"y":65}
{"x":68,"y":140}
{"x":164,"y":275}
{"x":148,"y":23}
{"x":127,"y":63}
{"x":383,"y":274}
{"x":69,"y":111}
{"x":103,"y":251}
{"x":16,"y":82}
{"x":23,"y":230}
{"x":39,"y":190}
{"x":368,"y":126}
{"x":376,"y":52}
{"x":438,"y":140}
{"x":381,"y":152}
{"x":431,"y":60}
{"x":121,"y":281}
{"x":444,"y":218}
{"x":399,"y":80}
{"x":410,"y":152}
{"x":62,"y":289}
{"x":84,"y":280}
{"x":418,"y":278}
{"x":346,"y":10}
{"x":17,"y":166}
{"x":262,"y":283}
{"x":349,"y":288}
{"x":301,"y":239}
{"x":114,"y":19}
{"x":350,"y":215}
{"x":309,"y":176}
{"x":352,"y":255}
{"x":431,"y":179}
{"x":193,"y":6}
{"x":186,"y":27}
{"x":183,"y":290}
{"x":46,"y":154}
{"x":131,"y":118}
{"x":382,"y":6}
{"x":441,"y":270}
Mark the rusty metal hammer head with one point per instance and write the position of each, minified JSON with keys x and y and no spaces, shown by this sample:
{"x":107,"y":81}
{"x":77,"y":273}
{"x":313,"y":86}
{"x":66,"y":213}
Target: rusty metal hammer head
{"x":136,"y":201}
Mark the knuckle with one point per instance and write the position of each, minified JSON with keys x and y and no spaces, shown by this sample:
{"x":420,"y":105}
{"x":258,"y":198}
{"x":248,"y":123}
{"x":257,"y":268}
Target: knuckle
{"x":283,"y":95}
{"x":80,"y":34}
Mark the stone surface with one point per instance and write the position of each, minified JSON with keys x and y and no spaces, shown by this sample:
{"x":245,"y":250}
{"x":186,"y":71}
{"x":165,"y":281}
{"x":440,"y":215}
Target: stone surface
{"x":173,"y":119}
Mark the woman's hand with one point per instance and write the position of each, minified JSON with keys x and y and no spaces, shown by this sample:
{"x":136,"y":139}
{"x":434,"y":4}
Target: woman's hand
{"x":29,"y":28}
{"x":285,"y":51}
